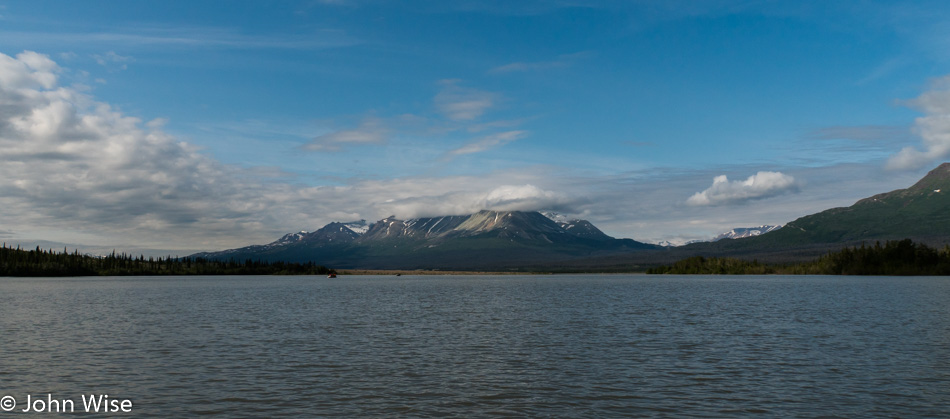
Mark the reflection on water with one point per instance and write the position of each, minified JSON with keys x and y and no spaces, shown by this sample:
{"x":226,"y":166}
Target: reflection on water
{"x":462,"y":346}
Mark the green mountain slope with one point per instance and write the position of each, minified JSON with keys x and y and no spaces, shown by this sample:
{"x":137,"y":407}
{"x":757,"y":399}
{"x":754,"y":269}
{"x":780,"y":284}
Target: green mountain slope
{"x":920,"y":212}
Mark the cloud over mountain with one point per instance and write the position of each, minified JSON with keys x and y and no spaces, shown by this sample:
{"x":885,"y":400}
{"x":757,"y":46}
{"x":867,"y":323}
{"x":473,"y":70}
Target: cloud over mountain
{"x":525,"y":197}
{"x":933,"y":127}
{"x":757,"y":186}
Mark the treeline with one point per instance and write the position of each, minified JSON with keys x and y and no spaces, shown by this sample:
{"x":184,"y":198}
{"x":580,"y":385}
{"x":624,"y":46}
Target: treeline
{"x":903,"y":257}
{"x":39,"y":262}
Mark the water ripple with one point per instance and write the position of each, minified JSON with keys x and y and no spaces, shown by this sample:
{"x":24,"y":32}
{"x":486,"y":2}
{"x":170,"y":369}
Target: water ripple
{"x":559,"y":346}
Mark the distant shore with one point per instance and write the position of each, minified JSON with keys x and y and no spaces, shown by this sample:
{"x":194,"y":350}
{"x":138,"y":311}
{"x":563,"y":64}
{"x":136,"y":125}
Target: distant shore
{"x":393,"y":272}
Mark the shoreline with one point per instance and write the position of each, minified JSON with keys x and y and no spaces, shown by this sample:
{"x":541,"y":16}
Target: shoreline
{"x":395,"y":272}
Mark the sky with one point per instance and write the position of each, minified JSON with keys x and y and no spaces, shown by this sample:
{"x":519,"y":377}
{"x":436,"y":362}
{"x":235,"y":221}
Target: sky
{"x":218,"y":124}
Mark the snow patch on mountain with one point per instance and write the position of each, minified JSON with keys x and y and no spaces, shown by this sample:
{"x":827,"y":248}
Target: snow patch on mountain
{"x":359,"y":227}
{"x":739,"y":233}
{"x":678,"y":242}
{"x":556,"y":217}
{"x":290,"y":238}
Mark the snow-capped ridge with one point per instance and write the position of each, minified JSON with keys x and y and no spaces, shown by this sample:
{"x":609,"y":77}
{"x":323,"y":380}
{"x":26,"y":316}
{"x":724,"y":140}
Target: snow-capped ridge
{"x":743,"y":232}
{"x":359,"y":227}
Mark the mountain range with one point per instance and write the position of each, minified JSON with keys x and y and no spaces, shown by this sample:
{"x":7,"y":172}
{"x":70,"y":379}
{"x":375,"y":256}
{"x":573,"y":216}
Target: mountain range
{"x":500,"y":240}
{"x":487,"y":239}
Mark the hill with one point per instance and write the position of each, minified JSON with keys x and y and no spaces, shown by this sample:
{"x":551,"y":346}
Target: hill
{"x":920,"y":212}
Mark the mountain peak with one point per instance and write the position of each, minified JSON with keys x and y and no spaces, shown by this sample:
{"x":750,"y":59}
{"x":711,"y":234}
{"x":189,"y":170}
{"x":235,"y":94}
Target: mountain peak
{"x":938,"y":178}
{"x":936,"y":182}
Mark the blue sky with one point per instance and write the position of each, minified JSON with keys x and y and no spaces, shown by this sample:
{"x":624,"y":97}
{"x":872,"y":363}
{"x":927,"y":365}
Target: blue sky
{"x":214,"y":124}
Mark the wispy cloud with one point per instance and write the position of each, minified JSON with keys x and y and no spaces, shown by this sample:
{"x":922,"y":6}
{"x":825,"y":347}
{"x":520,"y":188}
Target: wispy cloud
{"x":460,"y":112}
{"x":155,"y":36}
{"x":860,"y":133}
{"x":933,"y":127}
{"x":561,"y":61}
{"x":883,"y":70}
{"x":113,"y":61}
{"x":370,"y":131}
{"x":462,"y":103}
{"x":758,"y":186}
{"x":488,"y":142}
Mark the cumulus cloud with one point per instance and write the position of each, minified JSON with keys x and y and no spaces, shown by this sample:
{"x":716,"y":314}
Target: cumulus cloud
{"x":488,"y":142}
{"x":370,"y":131}
{"x":760,"y":185}
{"x":461,"y":103}
{"x":69,"y":161}
{"x":27,"y":70}
{"x":934,"y":129}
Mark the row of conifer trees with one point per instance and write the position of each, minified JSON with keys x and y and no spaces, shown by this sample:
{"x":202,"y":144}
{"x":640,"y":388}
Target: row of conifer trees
{"x":40,"y":262}
{"x":900,"y":257}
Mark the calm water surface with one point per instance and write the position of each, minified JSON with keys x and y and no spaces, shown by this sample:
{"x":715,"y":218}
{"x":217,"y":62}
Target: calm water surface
{"x":578,"y":345}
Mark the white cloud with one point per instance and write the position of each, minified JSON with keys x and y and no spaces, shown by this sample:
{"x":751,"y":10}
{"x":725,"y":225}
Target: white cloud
{"x":463,"y":104}
{"x":27,"y":70}
{"x":522,"y":198}
{"x":69,"y":162}
{"x":934,"y":129}
{"x":760,"y":185}
{"x":461,"y":200}
{"x":488,"y":142}
{"x":370,"y":131}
